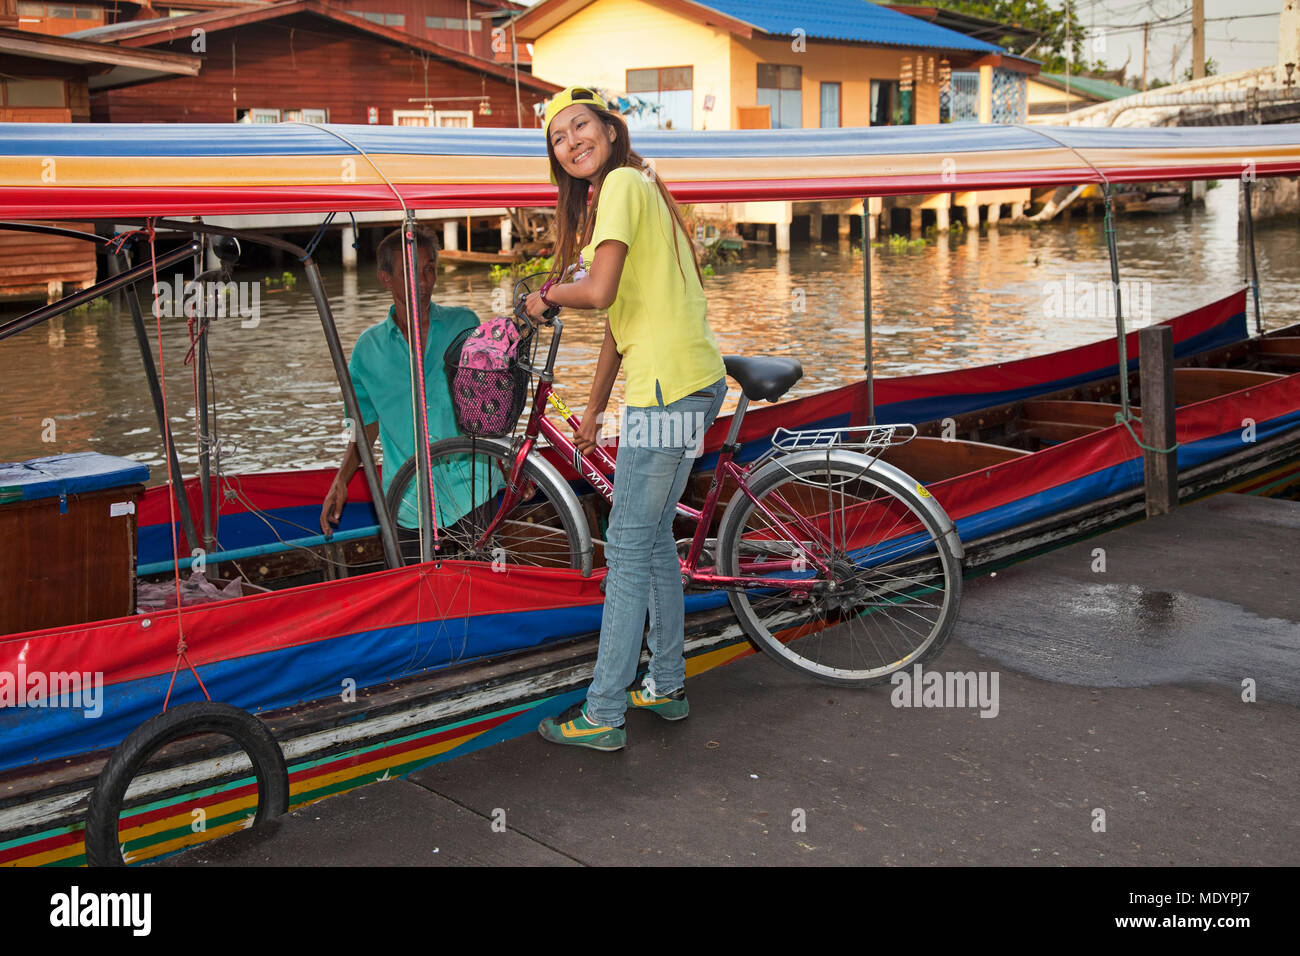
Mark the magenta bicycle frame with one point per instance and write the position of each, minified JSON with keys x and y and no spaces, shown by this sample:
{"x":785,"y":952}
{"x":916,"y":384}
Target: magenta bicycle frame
{"x":595,"y":469}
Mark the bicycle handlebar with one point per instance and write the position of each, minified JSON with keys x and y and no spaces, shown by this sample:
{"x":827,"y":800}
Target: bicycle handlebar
{"x":552,"y":316}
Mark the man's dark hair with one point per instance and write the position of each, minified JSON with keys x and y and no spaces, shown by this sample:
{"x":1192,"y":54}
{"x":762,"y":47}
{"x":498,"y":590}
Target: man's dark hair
{"x":390,"y":249}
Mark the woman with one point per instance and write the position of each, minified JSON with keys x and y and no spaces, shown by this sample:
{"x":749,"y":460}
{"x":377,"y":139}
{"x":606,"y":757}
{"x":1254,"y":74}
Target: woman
{"x":641,"y":267}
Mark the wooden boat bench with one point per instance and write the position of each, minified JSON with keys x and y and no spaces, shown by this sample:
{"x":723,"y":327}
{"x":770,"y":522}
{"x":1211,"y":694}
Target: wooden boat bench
{"x":1282,"y":351}
{"x":1198,"y":384}
{"x":1053,"y":422}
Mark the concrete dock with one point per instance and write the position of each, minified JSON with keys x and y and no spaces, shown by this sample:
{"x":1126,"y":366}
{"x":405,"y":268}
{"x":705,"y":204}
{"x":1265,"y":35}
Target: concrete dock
{"x":1147,"y":685}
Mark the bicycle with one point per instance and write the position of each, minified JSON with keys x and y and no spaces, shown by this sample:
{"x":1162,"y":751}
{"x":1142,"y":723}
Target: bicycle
{"x":836,"y":563}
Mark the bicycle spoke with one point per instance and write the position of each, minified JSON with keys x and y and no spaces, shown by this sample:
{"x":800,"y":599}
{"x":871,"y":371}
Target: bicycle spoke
{"x":893,"y":575}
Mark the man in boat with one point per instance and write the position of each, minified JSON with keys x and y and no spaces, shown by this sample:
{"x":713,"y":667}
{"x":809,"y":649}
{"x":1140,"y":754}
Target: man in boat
{"x":380,"y":370}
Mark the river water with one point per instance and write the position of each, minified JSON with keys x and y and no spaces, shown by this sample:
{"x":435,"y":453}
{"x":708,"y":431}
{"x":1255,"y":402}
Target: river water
{"x":966,"y":299}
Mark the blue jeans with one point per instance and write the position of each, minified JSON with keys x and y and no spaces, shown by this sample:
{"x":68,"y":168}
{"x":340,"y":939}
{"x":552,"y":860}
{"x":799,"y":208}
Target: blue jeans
{"x":656,"y":451}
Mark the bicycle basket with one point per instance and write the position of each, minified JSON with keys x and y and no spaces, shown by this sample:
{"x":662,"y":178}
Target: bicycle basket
{"x":488,"y":388}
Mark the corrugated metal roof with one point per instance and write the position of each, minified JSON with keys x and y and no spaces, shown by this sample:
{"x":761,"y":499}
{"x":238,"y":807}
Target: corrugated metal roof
{"x":854,"y":20}
{"x":108,"y":29}
{"x":1091,"y":86}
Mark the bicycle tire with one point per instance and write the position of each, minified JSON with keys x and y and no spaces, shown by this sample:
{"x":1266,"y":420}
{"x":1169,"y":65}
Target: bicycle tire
{"x":898,"y":573}
{"x":543,"y":530}
{"x":104,"y":811}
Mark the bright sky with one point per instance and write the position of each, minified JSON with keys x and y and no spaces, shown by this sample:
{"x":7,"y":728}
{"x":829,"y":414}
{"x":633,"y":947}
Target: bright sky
{"x":1247,"y":40}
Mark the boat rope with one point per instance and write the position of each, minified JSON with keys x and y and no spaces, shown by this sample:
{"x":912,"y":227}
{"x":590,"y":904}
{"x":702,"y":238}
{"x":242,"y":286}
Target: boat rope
{"x":171,"y":478}
{"x":310,"y":248}
{"x":413,"y":343}
{"x":1128,"y":423}
{"x":181,"y":655}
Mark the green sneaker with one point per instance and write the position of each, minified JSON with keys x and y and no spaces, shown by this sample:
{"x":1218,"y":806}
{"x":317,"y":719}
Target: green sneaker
{"x":672,"y":706}
{"x":572,"y":727}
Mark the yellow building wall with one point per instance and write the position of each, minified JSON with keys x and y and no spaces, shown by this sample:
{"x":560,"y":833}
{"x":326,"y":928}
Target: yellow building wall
{"x":1039,"y":93}
{"x":602,"y":41}
{"x":852,"y":66}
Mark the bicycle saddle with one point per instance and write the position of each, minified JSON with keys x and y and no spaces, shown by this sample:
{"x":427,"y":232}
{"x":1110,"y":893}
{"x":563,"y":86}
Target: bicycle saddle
{"x":765,"y":378}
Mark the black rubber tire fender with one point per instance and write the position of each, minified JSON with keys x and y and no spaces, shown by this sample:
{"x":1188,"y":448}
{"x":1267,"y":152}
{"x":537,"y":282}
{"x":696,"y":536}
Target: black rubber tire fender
{"x":183,"y":720}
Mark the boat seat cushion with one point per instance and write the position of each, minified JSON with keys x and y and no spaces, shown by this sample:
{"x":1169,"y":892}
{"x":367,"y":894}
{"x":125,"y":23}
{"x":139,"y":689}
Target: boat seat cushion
{"x":765,"y":377}
{"x":67,"y":474}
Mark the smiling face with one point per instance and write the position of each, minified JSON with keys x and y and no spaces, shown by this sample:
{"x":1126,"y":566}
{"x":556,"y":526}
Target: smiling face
{"x":580,"y":141}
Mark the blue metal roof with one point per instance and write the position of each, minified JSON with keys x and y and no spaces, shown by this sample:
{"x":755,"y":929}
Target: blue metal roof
{"x":854,"y":20}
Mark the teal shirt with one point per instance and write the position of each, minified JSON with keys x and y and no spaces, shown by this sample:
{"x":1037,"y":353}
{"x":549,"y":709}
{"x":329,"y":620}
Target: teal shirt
{"x":380,"y":369}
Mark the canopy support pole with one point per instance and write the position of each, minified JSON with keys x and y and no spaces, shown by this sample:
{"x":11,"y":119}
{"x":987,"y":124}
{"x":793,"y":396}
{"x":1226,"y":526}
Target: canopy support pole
{"x":866,"y":314}
{"x":1119,"y":305}
{"x":201,"y":413}
{"x":415,"y":345}
{"x":205,"y":438}
{"x":155,"y":391}
{"x":387,"y":534}
{"x":1254,"y":272}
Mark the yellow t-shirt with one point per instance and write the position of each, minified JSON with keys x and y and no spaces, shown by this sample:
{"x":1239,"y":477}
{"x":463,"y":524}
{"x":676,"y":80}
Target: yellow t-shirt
{"x":657,"y":318}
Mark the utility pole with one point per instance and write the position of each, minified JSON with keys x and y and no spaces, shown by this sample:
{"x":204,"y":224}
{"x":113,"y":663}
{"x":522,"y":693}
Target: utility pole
{"x":1146,"y":34}
{"x":1198,"y":39}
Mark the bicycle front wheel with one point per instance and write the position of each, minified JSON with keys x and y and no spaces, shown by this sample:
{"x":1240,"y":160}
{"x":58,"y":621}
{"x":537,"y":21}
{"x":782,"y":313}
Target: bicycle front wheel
{"x":875,"y":581}
{"x":469,"y":478}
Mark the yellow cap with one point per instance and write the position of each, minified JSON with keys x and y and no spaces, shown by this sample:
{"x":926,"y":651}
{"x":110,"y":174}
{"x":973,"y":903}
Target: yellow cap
{"x":566,"y":98}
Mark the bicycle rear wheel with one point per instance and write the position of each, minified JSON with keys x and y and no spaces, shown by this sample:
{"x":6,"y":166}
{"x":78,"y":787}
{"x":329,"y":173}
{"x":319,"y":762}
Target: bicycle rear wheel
{"x":895,"y":572}
{"x":542,"y":530}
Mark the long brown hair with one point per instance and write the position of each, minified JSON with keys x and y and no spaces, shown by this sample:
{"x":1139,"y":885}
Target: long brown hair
{"x":575,"y":219}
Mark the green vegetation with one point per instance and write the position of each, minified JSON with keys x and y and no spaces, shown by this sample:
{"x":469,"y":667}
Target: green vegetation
{"x":518,"y":270}
{"x":1040,"y":15}
{"x":895,"y":244}
{"x":286,"y":280}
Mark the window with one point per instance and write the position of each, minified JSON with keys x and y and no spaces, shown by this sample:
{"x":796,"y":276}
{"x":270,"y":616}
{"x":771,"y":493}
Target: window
{"x":305,"y":116}
{"x":781,"y":88}
{"x":457,"y":119}
{"x":89,"y":13}
{"x":31,"y":9}
{"x":62,"y":13}
{"x":257,"y":116}
{"x":34,"y":93}
{"x":412,"y":117}
{"x":452,"y":23}
{"x":830,"y":106}
{"x":671,"y":88}
{"x":884,"y":97}
{"x":393,"y":20}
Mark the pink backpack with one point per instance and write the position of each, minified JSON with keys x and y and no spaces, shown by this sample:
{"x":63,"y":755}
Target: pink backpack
{"x":488,"y":388}
{"x":491,"y":346}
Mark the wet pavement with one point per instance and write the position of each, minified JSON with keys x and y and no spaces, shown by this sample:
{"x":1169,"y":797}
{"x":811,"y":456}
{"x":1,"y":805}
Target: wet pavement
{"x":1125,"y":733}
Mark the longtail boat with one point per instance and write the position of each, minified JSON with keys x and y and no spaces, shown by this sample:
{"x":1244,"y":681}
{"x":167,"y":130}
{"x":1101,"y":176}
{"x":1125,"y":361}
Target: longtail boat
{"x":376,"y":674}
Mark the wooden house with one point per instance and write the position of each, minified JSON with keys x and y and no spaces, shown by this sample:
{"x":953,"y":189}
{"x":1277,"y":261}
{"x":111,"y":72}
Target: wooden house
{"x":51,"y":79}
{"x":312,"y":61}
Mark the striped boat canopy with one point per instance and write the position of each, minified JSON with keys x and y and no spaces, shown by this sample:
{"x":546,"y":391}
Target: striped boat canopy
{"x":94,"y":171}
